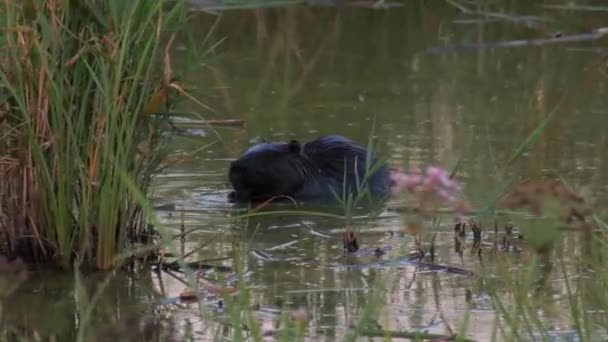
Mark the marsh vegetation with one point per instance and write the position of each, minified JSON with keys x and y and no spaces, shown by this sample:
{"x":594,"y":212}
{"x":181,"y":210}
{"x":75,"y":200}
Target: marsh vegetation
{"x":118,"y":120}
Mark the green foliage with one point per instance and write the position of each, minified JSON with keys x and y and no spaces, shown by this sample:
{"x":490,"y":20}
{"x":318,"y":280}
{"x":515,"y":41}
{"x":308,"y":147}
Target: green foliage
{"x":81,"y":78}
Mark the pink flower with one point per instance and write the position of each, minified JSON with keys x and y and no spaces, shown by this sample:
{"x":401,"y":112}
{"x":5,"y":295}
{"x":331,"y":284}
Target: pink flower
{"x":445,"y":195}
{"x":434,"y":172}
{"x":402,"y":181}
{"x":431,"y":188}
{"x":435,"y":180}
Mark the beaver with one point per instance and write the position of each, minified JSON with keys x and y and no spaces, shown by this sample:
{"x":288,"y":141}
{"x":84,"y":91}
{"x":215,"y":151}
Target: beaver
{"x":320,"y":169}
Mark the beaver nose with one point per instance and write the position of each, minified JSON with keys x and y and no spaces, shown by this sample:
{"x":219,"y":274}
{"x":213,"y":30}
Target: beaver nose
{"x":236,"y":175}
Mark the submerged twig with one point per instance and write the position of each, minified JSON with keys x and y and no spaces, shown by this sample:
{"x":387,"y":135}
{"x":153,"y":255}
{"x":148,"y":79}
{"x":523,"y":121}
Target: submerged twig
{"x":202,"y":123}
{"x":414,"y":335}
{"x":593,"y":35}
{"x":501,"y":16}
{"x":350,"y":242}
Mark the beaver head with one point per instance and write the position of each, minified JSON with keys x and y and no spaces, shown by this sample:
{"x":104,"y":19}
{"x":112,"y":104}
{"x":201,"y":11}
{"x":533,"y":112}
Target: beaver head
{"x":270,"y":169}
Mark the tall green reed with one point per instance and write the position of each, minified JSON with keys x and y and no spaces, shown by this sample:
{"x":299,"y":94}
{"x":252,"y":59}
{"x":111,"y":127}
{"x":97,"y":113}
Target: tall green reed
{"x":81,"y":79}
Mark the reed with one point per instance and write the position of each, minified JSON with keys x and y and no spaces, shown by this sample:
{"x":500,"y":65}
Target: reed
{"x":79,"y":81}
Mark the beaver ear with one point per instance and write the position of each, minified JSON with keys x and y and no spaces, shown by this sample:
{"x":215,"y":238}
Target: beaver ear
{"x":294,"y":146}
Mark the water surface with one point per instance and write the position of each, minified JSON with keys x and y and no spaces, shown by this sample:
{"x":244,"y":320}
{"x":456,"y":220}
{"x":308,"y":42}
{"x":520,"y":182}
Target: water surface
{"x":303,"y":72}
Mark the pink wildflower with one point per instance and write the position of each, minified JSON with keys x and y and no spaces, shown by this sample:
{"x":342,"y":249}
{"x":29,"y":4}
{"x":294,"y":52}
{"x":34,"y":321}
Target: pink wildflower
{"x":435,"y":180}
{"x":432,"y":187}
{"x":402,"y":181}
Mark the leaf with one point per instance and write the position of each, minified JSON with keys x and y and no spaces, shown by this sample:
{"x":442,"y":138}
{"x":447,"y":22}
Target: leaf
{"x":183,"y":92}
{"x":155,"y":102}
{"x":167,"y":71}
{"x":527,"y":143}
{"x":18,"y":28}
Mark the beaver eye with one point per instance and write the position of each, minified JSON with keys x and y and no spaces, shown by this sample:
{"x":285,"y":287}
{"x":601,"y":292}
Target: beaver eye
{"x":294,"y":146}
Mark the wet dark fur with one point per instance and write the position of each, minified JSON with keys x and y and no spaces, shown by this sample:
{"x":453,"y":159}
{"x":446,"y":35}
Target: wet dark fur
{"x":305,"y":172}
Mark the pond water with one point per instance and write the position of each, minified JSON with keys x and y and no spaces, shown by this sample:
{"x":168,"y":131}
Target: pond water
{"x":303,"y":72}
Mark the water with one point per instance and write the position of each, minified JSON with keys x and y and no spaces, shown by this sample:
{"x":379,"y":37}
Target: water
{"x":305,"y":72}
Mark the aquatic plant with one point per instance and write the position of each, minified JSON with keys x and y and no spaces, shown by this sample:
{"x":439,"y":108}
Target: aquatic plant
{"x":529,"y":296}
{"x":434,"y":185}
{"x":79,"y":82}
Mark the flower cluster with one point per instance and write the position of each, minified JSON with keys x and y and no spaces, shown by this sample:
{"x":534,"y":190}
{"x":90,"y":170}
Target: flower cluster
{"x":436,"y":180}
{"x":433,"y":187}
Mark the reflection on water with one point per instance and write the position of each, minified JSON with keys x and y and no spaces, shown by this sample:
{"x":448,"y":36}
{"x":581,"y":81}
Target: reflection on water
{"x":303,"y":72}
